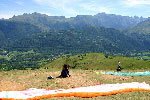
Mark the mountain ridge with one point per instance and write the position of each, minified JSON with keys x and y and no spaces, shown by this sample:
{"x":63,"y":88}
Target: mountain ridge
{"x":30,"y":40}
{"x":141,"y":28}
{"x":61,"y":22}
{"x":19,"y":27}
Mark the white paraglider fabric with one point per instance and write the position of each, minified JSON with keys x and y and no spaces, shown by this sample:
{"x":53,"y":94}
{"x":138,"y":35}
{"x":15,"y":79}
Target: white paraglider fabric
{"x":33,"y":92}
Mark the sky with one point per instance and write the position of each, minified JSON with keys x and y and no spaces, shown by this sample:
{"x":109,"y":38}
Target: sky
{"x":72,"y":8}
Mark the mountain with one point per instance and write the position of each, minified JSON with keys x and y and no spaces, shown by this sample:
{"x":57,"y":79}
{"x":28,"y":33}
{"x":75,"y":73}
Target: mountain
{"x":13,"y":30}
{"x":81,"y":33}
{"x":43,"y":21}
{"x":31,"y":40}
{"x":140,"y":32}
{"x":80,"y":40}
{"x":108,"y":20}
{"x":141,"y":28}
{"x":47,"y":23}
{"x":2,"y":37}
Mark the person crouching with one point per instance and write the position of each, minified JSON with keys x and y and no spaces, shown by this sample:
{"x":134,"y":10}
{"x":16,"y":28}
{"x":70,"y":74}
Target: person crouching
{"x":65,"y":71}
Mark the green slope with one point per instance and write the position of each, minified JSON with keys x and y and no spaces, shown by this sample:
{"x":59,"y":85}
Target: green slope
{"x":98,"y":61}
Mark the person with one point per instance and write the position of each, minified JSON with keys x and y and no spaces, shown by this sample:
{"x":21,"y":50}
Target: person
{"x":65,"y":71}
{"x":119,"y":67}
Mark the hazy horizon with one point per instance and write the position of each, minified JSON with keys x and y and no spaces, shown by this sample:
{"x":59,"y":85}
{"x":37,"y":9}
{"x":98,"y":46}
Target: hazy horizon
{"x":72,"y":8}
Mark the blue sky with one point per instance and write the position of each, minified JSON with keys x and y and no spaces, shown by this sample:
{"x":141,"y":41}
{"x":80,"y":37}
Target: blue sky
{"x":71,"y":8}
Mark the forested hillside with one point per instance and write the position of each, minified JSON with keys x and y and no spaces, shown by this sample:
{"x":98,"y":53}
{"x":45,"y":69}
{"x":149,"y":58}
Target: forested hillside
{"x":84,"y":39}
{"x":140,"y":32}
{"x":31,"y":40}
{"x":12,"y":30}
{"x":2,"y":38}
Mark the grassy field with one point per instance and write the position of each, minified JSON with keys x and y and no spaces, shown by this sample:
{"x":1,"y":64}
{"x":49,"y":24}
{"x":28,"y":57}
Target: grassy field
{"x":5,"y":57}
{"x":83,"y":73}
{"x":21,"y":80}
{"x":98,"y":61}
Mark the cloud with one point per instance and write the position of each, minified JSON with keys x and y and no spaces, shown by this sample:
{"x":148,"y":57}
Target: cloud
{"x":57,"y":4}
{"x":63,"y":6}
{"x":95,"y":8}
{"x":49,"y":14}
{"x":132,"y":3}
{"x":71,"y":12}
{"x":5,"y":16}
{"x":19,"y":3}
{"x":73,"y":7}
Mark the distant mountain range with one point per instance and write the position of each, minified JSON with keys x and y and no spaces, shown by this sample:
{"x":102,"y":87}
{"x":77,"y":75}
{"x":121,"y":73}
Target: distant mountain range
{"x":140,"y":28}
{"x":46,"y":22}
{"x":140,"y":32}
{"x":83,"y":33}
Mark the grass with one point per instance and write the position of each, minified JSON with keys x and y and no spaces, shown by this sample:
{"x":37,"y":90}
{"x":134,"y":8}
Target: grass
{"x":22,"y":80}
{"x":83,"y":73}
{"x":5,"y":57}
{"x":98,"y":61}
